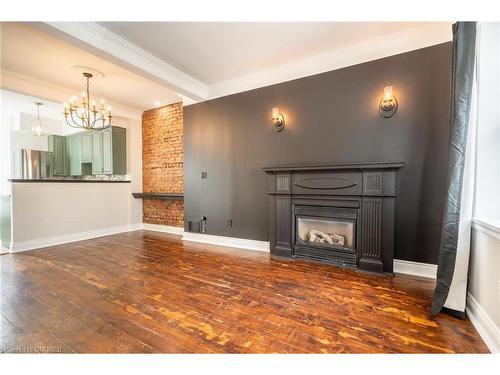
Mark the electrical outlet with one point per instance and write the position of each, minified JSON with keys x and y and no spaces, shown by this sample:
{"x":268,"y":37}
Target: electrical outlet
{"x":204,"y":175}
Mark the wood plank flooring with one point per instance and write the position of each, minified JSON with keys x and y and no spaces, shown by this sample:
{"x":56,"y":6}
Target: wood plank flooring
{"x":147,"y":292}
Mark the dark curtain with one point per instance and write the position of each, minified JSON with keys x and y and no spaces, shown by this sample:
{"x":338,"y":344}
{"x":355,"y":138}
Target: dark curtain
{"x":464,"y":43}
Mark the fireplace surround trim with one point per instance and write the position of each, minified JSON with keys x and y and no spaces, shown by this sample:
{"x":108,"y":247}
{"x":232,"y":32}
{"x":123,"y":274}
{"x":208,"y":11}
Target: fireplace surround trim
{"x":319,"y":167}
{"x":368,"y":189}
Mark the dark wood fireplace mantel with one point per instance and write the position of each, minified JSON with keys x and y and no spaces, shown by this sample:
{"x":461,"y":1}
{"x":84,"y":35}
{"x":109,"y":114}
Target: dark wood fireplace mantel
{"x":365,"y":192}
{"x":322,"y":167}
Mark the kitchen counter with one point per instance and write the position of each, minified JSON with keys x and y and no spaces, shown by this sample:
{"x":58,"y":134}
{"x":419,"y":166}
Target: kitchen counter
{"x":50,"y":210}
{"x":75,"y":180}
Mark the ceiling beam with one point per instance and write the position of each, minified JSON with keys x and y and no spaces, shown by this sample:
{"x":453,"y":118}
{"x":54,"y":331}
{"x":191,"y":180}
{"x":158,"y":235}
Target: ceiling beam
{"x":103,"y":42}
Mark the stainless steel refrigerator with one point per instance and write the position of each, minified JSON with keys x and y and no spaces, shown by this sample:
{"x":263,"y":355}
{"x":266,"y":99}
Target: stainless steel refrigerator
{"x":33,"y":164}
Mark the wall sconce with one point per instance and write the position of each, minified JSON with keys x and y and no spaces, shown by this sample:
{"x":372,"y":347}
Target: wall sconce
{"x":388,"y":103}
{"x":278,"y":120}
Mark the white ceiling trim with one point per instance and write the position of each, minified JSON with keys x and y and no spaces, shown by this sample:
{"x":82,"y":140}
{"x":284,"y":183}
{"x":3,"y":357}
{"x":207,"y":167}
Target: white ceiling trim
{"x":371,"y":49}
{"x":111,"y":44}
{"x":44,"y":90}
{"x":193,"y":91}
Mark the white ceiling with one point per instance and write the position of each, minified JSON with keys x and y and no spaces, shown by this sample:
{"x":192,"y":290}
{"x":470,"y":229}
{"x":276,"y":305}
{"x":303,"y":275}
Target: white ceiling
{"x":213,"y":52}
{"x":147,"y":63}
{"x":29,"y":52}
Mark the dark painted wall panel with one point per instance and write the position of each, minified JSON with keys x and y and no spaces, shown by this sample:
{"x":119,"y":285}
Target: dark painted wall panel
{"x":330,"y":118}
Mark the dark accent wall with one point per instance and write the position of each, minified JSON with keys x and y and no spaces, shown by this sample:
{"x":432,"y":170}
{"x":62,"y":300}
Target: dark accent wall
{"x":330,"y":118}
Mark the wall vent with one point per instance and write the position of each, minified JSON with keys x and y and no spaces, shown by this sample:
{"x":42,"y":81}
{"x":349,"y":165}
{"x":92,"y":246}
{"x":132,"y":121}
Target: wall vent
{"x":194,"y":226}
{"x":198,"y":226}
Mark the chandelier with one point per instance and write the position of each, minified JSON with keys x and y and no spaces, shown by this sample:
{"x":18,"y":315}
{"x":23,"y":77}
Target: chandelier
{"x":37,"y":127}
{"x":86,"y":115}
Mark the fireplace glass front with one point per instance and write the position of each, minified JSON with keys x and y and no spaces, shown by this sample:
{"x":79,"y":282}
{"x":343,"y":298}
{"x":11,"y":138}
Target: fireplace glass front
{"x":325,"y":232}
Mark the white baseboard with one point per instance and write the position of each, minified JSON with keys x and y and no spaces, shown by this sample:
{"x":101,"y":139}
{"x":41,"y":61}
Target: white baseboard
{"x":163,"y":228}
{"x":240,"y":243}
{"x":484,"y":325}
{"x":415,"y":268}
{"x":17,"y":247}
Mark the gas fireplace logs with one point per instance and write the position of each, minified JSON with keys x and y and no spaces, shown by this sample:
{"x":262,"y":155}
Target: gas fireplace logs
{"x":322,"y":237}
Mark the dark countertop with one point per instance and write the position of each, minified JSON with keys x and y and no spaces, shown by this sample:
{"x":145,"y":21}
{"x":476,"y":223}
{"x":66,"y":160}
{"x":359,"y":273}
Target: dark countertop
{"x":66,"y":180}
{"x":162,"y":196}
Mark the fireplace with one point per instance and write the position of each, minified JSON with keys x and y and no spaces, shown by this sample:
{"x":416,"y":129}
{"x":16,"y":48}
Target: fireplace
{"x":322,"y":232}
{"x":325,"y":233}
{"x":341,"y":214}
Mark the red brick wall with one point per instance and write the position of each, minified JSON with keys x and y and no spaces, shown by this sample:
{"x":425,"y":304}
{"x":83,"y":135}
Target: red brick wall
{"x":163,"y":163}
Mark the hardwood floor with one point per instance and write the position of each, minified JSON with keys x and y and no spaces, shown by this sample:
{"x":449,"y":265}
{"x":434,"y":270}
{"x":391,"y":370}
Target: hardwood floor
{"x":143,"y":292}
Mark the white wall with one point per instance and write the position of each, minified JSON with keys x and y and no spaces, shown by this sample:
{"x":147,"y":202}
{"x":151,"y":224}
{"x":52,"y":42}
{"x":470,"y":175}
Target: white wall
{"x":6,"y":121}
{"x":134,"y":163}
{"x":45,"y":210}
{"x":484,"y":285}
{"x":22,"y":139}
{"x":483,"y":305}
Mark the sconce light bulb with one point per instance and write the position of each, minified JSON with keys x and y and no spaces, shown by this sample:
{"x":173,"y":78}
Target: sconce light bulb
{"x":276,"y":113}
{"x":278,"y":119}
{"x":388,"y":104}
{"x":388,"y":92}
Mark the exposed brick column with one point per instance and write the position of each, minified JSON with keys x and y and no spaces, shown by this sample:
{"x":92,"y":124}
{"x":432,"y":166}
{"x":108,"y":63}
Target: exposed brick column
{"x":163,"y":163}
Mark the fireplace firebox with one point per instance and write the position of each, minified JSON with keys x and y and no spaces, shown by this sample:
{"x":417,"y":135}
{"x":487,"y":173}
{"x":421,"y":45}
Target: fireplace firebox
{"x":342,"y":214}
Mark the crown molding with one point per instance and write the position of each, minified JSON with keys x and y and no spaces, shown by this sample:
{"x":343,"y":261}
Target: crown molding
{"x":22,"y":84}
{"x":371,"y":49}
{"x":104,"y":41}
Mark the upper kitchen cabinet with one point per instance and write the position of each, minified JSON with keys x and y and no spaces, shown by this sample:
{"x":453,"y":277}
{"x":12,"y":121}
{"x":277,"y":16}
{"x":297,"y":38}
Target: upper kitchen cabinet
{"x":109,"y":148}
{"x":57,"y":145}
{"x":96,"y":152}
{"x":74,"y":147}
{"x":87,"y":147}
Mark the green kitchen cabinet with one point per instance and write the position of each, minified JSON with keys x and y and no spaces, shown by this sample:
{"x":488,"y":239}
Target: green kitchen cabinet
{"x":57,"y":145}
{"x":107,"y":151}
{"x":74,"y":147}
{"x":96,"y":152}
{"x":87,"y":147}
{"x":109,"y":148}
